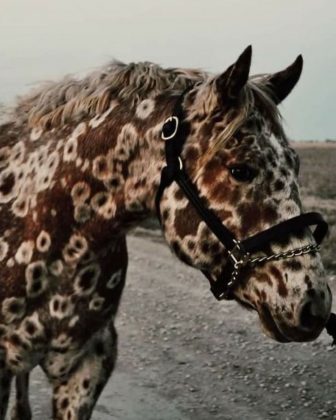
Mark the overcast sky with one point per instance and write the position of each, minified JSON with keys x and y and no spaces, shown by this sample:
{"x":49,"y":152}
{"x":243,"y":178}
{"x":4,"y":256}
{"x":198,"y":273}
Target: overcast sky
{"x":45,"y":39}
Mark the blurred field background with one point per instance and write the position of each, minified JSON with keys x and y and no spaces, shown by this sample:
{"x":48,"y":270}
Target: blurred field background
{"x":318,"y":189}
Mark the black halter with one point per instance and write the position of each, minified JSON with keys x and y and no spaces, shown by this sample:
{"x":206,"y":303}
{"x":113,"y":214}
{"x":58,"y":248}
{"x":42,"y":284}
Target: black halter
{"x":239,"y":253}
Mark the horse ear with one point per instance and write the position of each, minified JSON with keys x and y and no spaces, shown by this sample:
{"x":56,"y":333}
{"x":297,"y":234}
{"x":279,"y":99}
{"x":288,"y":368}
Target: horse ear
{"x":282,"y":83}
{"x":230,"y":83}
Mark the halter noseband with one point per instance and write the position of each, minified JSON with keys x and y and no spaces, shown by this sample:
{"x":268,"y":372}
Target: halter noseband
{"x":239,"y":253}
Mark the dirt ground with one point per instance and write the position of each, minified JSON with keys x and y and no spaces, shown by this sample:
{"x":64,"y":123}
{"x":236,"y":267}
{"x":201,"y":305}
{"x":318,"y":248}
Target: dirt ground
{"x":183,"y":355}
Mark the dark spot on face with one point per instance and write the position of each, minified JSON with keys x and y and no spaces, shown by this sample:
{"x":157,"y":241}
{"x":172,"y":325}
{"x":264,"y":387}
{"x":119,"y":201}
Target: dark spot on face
{"x":165,"y":215}
{"x":257,"y":292}
{"x":293,"y":265}
{"x":272,"y":162}
{"x":21,"y":206}
{"x":278,"y":185}
{"x":30,"y":328}
{"x":205,"y":247}
{"x":185,"y":221}
{"x":282,"y":288}
{"x":269,"y":214}
{"x":15,"y":340}
{"x":269,"y":176}
{"x":7,"y":183}
{"x":246,"y":296}
{"x":263,"y":278}
{"x":214,"y":248}
{"x":65,"y":403}
{"x":284,"y":172}
{"x":249,"y":212}
{"x":86,"y":383}
{"x":62,"y":370}
{"x":179,"y":195}
{"x":289,"y":315}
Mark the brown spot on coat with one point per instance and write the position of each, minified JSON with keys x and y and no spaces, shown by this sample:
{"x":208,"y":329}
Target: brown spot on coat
{"x":186,"y":221}
{"x":282,"y":288}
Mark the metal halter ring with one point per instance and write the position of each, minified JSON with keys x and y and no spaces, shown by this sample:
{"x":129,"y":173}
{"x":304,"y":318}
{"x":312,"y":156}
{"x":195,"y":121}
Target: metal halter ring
{"x":171,"y":135}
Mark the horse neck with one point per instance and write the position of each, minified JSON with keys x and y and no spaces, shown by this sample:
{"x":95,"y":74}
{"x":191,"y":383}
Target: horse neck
{"x":127,"y":156}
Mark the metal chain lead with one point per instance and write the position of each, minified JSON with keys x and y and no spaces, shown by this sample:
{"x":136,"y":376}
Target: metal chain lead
{"x":296,"y":252}
{"x":242,"y":259}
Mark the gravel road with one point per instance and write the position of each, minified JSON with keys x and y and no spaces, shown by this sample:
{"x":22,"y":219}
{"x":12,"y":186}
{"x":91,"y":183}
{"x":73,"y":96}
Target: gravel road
{"x":183,"y":355}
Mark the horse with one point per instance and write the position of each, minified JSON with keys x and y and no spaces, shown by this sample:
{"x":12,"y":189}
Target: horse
{"x":84,"y":160}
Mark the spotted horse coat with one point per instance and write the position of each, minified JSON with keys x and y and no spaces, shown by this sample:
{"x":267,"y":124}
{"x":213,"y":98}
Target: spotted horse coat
{"x":80,"y":163}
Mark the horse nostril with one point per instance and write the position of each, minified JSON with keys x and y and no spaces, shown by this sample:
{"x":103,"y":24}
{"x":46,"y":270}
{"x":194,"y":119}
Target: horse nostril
{"x":307,"y":319}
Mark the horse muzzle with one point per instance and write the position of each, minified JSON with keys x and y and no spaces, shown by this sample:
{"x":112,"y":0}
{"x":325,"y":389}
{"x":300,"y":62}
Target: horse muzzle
{"x":307,"y":322}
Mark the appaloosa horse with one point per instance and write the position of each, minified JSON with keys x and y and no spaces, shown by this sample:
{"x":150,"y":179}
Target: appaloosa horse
{"x":82,"y":161}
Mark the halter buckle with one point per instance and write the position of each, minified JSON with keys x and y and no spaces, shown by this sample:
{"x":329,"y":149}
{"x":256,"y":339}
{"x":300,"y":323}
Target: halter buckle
{"x":238,"y":256}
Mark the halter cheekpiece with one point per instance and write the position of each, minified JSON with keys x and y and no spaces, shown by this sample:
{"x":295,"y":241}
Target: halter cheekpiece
{"x":239,"y":252}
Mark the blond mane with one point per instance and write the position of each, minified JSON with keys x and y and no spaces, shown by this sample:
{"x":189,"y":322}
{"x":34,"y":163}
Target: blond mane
{"x":57,"y":103}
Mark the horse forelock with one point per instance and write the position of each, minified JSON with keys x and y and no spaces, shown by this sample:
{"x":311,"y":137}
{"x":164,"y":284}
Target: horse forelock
{"x":256,"y":97}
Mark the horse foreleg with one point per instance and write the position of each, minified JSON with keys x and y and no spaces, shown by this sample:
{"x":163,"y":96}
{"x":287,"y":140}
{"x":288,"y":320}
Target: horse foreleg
{"x":5,"y":382}
{"x":21,"y":408}
{"x":76,"y":397}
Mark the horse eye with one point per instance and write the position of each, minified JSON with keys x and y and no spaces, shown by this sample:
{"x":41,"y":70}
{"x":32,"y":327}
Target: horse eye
{"x":169,"y":128}
{"x":242,"y":173}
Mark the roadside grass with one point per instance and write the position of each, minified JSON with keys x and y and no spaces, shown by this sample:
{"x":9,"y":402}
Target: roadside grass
{"x":318,"y":190}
